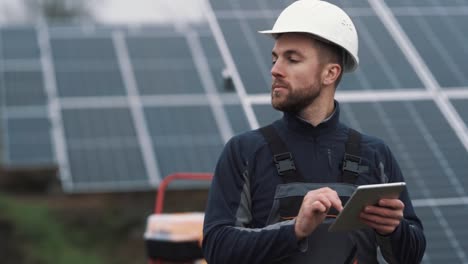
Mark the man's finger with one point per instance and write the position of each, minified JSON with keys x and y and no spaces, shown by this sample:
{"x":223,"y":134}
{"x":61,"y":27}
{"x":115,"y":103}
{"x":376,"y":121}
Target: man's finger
{"x":378,"y":220}
{"x":318,"y":206}
{"x":381,"y":229}
{"x":334,"y":199}
{"x":384,"y":212}
{"x":391,"y":203}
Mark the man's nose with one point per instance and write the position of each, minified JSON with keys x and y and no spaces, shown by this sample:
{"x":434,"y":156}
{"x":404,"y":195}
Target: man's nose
{"x":277,"y":69}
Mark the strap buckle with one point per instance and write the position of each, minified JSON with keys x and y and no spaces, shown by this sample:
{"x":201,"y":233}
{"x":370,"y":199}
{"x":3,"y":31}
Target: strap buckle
{"x":284,"y":162}
{"x":352,"y":164}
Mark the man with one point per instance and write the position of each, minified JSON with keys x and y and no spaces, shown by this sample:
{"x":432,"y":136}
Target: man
{"x":274,"y":187}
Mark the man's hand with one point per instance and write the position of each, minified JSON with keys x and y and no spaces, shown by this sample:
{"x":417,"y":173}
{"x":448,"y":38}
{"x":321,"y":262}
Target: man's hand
{"x":314,"y":209}
{"x":383,"y":217}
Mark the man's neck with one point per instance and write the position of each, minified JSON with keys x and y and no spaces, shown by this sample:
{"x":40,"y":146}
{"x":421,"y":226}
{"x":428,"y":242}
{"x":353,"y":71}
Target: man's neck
{"x":318,"y":111}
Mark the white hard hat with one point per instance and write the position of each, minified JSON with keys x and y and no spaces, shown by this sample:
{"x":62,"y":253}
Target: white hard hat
{"x":324,"y":20}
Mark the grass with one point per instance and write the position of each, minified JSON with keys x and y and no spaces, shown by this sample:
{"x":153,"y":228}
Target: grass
{"x":40,"y":238}
{"x":82,"y":228}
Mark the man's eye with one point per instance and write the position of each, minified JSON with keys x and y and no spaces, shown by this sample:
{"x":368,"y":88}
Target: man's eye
{"x":273,"y":62}
{"x":293,"y":60}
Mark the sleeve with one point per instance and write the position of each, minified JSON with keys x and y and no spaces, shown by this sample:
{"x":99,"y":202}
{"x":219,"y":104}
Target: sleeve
{"x":407,"y":243}
{"x":227,"y":237}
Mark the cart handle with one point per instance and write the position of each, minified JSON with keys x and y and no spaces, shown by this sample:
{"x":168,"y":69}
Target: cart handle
{"x":176,"y":176}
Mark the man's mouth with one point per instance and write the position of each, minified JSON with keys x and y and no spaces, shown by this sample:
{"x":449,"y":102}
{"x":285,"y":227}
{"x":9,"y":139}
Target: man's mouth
{"x":277,"y":85}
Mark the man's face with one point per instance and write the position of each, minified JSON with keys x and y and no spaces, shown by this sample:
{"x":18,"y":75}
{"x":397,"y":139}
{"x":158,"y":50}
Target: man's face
{"x":296,"y":72}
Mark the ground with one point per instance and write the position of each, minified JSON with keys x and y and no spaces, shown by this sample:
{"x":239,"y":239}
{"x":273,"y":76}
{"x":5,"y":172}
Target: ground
{"x":54,"y":227}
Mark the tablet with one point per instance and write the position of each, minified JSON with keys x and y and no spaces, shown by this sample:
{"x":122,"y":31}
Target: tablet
{"x":348,"y":218}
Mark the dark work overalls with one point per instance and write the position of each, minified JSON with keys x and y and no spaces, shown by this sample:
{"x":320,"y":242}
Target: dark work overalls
{"x":322,"y":246}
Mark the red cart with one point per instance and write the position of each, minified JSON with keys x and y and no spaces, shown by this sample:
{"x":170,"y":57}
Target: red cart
{"x":175,"y":237}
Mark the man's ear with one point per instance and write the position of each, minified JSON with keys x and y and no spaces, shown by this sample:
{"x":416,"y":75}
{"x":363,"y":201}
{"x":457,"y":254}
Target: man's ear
{"x":331,"y":73}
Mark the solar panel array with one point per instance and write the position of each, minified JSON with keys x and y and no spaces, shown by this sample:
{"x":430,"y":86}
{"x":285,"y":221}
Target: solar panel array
{"x":118,"y":108}
{"x":115,"y":108}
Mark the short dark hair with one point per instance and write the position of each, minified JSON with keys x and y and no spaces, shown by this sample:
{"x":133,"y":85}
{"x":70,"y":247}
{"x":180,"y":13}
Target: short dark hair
{"x":335,"y":53}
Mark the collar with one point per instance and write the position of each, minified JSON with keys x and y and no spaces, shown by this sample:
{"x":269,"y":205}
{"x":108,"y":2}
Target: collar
{"x":323,"y":121}
{"x":303,"y":127}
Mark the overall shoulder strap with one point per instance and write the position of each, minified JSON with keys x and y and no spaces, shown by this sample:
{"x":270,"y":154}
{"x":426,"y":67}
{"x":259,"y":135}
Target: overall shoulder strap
{"x":282,"y":157}
{"x":352,"y":158}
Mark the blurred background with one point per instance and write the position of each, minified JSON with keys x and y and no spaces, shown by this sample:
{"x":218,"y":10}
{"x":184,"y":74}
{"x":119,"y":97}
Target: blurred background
{"x":101,"y":100}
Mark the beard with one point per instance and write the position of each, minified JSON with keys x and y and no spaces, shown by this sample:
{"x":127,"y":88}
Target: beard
{"x":295,"y":100}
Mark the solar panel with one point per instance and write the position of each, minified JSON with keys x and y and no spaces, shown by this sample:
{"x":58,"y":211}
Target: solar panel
{"x":25,"y":125}
{"x":85,"y":49}
{"x":22,"y":87}
{"x":383,"y":65}
{"x":103,"y":148}
{"x":19,"y":43}
{"x":86,"y":66}
{"x":439,"y":38}
{"x":90,"y":82}
{"x":462,"y":107}
{"x":237,"y":118}
{"x":159,"y":63}
{"x":28,"y":142}
{"x":112,"y":167}
{"x":159,"y":48}
{"x":119,"y":91}
{"x":165,"y":78}
{"x":420,"y":138}
{"x":184,"y":138}
{"x":446,"y":239}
